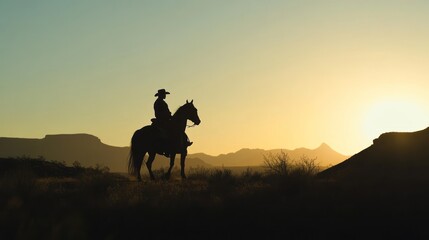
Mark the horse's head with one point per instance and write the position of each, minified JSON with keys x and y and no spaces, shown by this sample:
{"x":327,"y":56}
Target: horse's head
{"x":191,"y":112}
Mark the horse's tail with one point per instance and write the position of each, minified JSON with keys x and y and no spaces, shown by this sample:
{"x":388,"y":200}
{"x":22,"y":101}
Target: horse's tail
{"x":134,"y":158}
{"x":131,"y":161}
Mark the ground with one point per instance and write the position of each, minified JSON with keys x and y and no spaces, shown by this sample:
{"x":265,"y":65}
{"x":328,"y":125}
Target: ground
{"x":91,"y":203}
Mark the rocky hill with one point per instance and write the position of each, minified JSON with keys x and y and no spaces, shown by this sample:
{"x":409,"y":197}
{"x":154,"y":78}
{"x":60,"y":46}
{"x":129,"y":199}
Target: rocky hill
{"x":394,"y":156}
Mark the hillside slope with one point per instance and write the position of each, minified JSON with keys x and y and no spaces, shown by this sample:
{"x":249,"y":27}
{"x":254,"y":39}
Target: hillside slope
{"x":393,"y":156}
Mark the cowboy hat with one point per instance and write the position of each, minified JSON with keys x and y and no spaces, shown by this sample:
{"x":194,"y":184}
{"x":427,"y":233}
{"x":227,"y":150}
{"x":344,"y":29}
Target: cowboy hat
{"x":161,"y":92}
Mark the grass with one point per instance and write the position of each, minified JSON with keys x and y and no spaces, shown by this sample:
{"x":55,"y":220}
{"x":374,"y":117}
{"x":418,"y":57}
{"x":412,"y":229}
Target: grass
{"x":48,"y":200}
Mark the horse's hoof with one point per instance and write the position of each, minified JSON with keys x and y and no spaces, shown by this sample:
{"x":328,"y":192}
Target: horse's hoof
{"x":167,"y":176}
{"x":183,"y":177}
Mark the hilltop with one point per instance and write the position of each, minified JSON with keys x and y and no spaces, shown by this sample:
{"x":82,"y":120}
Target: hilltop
{"x":394,"y":156}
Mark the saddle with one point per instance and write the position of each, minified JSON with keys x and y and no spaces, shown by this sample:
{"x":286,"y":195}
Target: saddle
{"x":165,"y":137}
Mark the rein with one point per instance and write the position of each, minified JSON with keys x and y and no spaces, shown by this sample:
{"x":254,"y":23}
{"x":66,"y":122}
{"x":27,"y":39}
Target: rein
{"x":179,"y":113}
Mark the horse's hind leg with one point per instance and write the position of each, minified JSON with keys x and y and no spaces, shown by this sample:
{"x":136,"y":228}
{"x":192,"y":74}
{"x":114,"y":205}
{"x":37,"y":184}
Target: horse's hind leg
{"x":168,"y":174}
{"x":182,"y":164}
{"x":149,"y":164}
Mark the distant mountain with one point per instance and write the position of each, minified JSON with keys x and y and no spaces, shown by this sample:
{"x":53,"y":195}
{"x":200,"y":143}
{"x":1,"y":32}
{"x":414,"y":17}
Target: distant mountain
{"x":84,"y":148}
{"x":90,"y":151}
{"x":394,"y":156}
{"x":255,"y":157}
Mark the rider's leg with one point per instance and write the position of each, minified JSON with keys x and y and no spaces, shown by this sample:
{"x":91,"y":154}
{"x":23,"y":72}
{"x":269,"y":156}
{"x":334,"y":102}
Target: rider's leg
{"x":187,"y":141}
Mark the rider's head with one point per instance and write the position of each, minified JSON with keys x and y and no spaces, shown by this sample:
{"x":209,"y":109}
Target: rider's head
{"x":161,"y":93}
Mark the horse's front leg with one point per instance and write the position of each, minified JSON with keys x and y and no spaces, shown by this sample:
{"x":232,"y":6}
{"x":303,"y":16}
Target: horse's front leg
{"x":149,"y":164}
{"x":182,"y":164}
{"x":139,"y":160}
{"x":168,"y":174}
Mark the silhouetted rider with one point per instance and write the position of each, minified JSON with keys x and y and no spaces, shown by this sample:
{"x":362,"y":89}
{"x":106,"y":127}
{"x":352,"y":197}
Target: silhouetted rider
{"x":162,"y":113}
{"x":163,"y":117}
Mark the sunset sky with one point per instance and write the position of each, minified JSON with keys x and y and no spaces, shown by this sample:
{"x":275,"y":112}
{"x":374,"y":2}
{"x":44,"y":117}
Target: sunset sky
{"x":263,"y":74}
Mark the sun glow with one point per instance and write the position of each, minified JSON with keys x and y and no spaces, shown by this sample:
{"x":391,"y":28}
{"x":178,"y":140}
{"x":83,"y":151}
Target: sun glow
{"x":394,"y":116}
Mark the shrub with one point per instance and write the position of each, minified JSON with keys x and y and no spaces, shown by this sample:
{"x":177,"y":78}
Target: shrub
{"x":282,"y":165}
{"x":221,"y":175}
{"x":289,"y":175}
{"x":307,"y":166}
{"x":221,"y":181}
{"x":278,"y":164}
{"x":199,"y":173}
{"x":251,"y":176}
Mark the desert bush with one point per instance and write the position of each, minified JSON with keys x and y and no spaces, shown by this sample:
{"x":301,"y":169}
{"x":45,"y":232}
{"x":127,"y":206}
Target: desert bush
{"x":250,"y":176}
{"x":22,"y":180}
{"x":221,"y":181}
{"x":59,"y":163}
{"x":289,"y":175}
{"x":101,"y":169}
{"x":282,"y":165}
{"x":221,"y":176}
{"x":77,"y":164}
{"x":199,"y":173}
{"x":306,"y":166}
{"x":278,"y":164}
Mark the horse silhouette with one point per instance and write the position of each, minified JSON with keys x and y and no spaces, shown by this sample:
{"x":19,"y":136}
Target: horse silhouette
{"x":149,"y":140}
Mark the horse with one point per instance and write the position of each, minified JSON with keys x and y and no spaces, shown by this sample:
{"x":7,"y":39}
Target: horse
{"x":148,"y":140}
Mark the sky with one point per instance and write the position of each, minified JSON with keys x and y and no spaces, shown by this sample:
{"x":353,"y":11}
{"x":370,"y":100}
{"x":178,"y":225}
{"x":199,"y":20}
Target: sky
{"x":262,"y":74}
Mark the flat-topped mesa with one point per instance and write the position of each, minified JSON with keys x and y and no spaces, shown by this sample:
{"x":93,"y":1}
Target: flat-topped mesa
{"x":403,"y":138}
{"x":80,"y":137}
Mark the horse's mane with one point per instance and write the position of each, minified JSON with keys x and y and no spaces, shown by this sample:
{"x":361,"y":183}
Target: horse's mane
{"x":179,"y":111}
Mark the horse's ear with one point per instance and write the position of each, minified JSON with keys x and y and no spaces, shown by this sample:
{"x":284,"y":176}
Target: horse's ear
{"x":187,"y":101}
{"x":192,"y":101}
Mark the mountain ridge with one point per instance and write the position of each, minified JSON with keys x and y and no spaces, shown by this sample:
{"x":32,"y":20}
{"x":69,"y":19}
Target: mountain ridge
{"x":89,"y":150}
{"x":324,"y":154}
